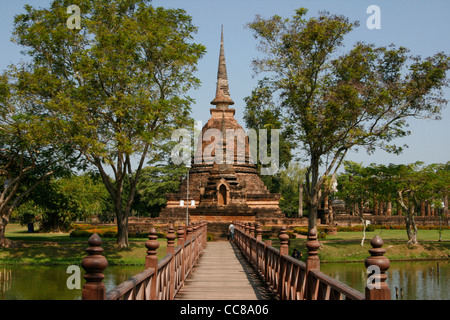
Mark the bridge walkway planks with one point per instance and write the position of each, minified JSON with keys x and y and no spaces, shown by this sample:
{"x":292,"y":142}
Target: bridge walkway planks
{"x":223,"y":273}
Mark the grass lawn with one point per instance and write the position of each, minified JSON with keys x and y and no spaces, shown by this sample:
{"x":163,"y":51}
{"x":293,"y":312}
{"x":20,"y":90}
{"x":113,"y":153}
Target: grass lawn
{"x":60,"y":248}
{"x":346,"y":246}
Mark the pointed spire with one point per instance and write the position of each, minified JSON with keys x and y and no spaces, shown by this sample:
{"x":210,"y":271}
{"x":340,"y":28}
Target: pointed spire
{"x":222,"y":91}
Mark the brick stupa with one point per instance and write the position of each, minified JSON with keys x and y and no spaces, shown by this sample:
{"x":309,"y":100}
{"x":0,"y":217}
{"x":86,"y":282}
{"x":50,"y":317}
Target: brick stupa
{"x":222,"y":192}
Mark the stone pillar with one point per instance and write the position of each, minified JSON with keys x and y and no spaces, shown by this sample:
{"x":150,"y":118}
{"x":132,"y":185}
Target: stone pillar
{"x":94,"y":265}
{"x":422,"y":208}
{"x":389,"y":208}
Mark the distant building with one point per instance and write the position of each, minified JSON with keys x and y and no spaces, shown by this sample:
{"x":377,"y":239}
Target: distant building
{"x":222,"y":192}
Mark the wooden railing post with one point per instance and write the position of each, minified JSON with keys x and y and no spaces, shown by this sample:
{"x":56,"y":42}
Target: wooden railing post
{"x":377,"y":265}
{"x":171,"y":249}
{"x":180,"y":236}
{"x":284,"y":250}
{"x":180,"y":242}
{"x":284,"y":241}
{"x":151,"y":260}
{"x":312,"y":263}
{"x":258,"y":232}
{"x":94,"y":265}
{"x":252,"y":230}
{"x":252,"y":241}
{"x":189,"y":232}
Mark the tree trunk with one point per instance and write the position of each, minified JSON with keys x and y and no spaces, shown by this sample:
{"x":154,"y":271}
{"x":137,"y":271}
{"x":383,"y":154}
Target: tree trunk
{"x":312,"y":210}
{"x":300,"y":200}
{"x":313,"y":190}
{"x":445,"y":209}
{"x":4,"y":219}
{"x":411,"y":228}
{"x":122,"y":225}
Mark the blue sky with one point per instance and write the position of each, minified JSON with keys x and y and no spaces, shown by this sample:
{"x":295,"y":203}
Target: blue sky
{"x":421,"y":26}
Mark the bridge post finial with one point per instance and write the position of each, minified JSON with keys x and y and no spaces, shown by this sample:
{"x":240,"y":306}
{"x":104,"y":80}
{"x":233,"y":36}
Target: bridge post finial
{"x":151,"y":260}
{"x":94,"y":265}
{"x":284,"y":241}
{"x":252,"y":230}
{"x":171,"y":240}
{"x":180,"y":235}
{"x":189,"y":230}
{"x":258,"y":232}
{"x":377,"y":265}
{"x":171,"y":249}
{"x":313,"y":261}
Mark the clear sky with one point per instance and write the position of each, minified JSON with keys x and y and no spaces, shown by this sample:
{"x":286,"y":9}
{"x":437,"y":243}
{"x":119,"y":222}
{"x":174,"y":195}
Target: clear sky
{"x":422,"y":26}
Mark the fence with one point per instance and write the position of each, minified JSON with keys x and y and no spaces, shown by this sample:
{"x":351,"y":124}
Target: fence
{"x":161,"y":280}
{"x":291,"y":279}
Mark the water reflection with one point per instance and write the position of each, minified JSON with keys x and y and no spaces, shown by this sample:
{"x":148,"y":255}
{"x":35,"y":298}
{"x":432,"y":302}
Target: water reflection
{"x":424,"y":280}
{"x":50,"y":282}
{"x":416,"y":280}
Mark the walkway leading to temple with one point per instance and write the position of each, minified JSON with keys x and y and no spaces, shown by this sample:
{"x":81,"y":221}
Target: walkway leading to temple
{"x":222,"y":273}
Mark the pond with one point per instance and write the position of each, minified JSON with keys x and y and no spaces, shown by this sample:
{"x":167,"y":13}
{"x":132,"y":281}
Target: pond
{"x":414,"y":280}
{"x":50,"y":282}
{"x":418,"y":280}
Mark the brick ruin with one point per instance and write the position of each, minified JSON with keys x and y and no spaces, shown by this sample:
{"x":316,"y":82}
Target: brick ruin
{"x":222,"y":192}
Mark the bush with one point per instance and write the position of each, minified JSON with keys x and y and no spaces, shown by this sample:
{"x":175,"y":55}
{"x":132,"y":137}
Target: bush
{"x":301,"y":230}
{"x":80,"y":233}
{"x":321,"y":235}
{"x":291,"y":234}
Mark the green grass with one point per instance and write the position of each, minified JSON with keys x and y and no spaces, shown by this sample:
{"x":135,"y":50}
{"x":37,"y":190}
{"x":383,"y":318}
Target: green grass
{"x":346,"y":246}
{"x":400,"y":235}
{"x":61,"y":249}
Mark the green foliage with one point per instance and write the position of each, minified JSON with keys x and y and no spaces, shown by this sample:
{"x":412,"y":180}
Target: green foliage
{"x":155,"y":182}
{"x":414,"y":182}
{"x":57,"y":203}
{"x":115,"y":89}
{"x":335,"y":100}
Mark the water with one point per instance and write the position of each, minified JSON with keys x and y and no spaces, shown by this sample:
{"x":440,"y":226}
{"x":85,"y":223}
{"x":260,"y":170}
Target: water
{"x":50,"y":282}
{"x":414,"y":280}
{"x":419,"y":280}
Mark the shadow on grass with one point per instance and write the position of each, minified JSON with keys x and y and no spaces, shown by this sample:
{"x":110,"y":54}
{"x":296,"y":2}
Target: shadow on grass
{"x":43,"y":252}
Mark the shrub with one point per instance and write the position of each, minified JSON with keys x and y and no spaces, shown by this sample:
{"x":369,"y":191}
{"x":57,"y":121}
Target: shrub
{"x":301,"y":230}
{"x":321,"y":235}
{"x":291,"y":234}
{"x":80,"y":233}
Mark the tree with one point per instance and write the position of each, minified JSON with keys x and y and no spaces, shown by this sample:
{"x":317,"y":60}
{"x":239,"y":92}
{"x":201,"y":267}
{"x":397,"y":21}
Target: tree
{"x":57,"y":203}
{"x":353,"y":187}
{"x":117,"y":87}
{"x":27,"y":156}
{"x":155,"y":183}
{"x":291,"y":185}
{"x":335,"y":102}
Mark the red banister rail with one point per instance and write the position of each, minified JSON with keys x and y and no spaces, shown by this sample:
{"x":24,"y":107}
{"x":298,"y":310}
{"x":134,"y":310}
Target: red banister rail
{"x":291,"y":279}
{"x":161,"y":280}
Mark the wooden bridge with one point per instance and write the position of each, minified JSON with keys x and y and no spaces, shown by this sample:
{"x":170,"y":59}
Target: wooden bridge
{"x":245,"y":269}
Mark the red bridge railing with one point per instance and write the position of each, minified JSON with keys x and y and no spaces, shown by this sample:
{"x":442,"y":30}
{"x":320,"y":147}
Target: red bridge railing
{"x":291,"y":279}
{"x":161,"y":280}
